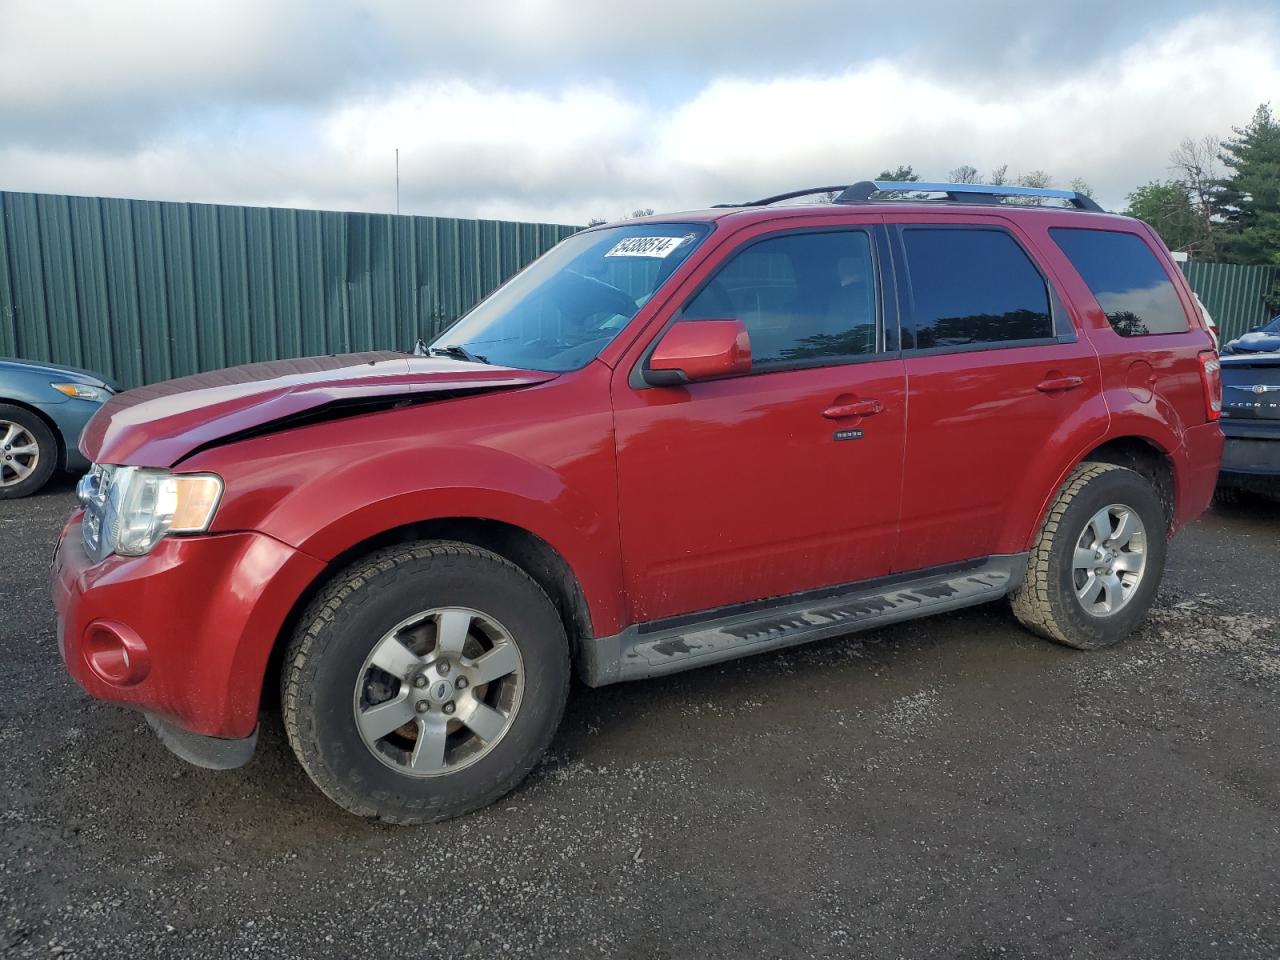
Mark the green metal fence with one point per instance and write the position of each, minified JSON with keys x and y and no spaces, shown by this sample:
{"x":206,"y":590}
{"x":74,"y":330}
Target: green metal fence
{"x":1233,"y":294}
{"x":143,"y":290}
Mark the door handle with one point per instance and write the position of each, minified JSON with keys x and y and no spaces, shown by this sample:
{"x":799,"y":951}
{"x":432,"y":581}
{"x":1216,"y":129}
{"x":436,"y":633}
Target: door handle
{"x":859,"y":408}
{"x":1054,"y":384}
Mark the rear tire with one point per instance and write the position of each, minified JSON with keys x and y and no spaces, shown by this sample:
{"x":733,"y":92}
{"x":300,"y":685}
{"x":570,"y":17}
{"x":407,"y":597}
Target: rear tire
{"x":28,"y":452}
{"x":1097,"y":559}
{"x":463,"y":656}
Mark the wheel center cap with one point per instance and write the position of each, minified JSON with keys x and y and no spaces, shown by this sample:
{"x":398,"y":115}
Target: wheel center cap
{"x":440,"y":691}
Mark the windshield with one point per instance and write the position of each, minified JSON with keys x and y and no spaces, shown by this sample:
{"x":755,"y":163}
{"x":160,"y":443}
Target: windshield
{"x":559,"y":312}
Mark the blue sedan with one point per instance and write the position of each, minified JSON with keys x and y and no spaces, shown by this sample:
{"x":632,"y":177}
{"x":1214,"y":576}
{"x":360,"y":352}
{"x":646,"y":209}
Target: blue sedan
{"x":1263,"y":339}
{"x":43,"y":408}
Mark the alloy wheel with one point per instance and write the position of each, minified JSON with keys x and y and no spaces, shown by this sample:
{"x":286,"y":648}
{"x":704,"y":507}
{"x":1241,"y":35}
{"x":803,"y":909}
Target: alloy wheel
{"x":438,"y":691}
{"x":1110,"y":559}
{"x":19,"y":453}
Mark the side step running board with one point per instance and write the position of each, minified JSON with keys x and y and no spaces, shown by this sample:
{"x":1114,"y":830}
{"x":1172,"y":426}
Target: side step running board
{"x":649,"y":650}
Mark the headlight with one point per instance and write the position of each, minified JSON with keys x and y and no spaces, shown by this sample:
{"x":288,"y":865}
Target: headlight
{"x":129,"y":509}
{"x":82,"y":391}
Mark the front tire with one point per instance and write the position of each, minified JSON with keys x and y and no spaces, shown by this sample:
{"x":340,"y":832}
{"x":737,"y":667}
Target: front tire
{"x":1097,"y":559}
{"x":425,"y":682}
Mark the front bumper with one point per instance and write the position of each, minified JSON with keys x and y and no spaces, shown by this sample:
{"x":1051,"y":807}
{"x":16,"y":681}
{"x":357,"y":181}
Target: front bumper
{"x":200,"y":614}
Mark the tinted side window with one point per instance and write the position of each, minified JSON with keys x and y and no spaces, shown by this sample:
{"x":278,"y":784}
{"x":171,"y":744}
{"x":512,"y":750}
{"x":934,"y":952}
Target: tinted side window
{"x":972,"y":287}
{"x":803,"y":297}
{"x":1126,"y":279}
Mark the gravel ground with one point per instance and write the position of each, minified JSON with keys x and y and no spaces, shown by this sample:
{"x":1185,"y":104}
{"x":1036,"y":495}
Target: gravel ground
{"x":950,"y":788}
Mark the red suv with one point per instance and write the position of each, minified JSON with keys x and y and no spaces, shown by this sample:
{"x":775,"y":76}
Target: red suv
{"x":666,"y":443}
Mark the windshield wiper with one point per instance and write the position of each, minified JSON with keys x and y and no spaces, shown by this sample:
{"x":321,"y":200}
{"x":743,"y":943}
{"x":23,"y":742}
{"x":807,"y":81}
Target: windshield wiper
{"x":457,"y":352}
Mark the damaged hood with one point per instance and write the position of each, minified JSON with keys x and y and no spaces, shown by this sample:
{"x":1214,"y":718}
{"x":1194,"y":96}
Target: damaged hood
{"x":158,"y":425}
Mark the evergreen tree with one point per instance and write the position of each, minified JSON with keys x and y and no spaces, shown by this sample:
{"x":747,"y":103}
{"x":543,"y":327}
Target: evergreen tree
{"x":900,"y":175}
{"x":1248,"y":203}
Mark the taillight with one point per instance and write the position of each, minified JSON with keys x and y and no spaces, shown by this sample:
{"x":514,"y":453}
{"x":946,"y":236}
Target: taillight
{"x":1211,"y":379}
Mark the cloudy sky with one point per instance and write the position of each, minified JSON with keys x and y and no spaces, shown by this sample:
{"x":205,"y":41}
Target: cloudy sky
{"x":568,"y":109}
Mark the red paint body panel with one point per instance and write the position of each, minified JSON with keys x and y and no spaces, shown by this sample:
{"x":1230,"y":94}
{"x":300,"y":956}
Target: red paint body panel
{"x":736,"y":490}
{"x":539,"y":458}
{"x":157,"y":425}
{"x":703,"y":349}
{"x":1194,"y":485}
{"x":728,"y":489}
{"x":664,"y":501}
{"x":983,"y":446}
{"x":983,"y":443}
{"x":1151,"y":385}
{"x":208,"y":609}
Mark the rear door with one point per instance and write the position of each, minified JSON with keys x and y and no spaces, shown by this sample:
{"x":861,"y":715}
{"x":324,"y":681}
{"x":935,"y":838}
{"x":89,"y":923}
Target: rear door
{"x":994,"y":368}
{"x":764,"y":485}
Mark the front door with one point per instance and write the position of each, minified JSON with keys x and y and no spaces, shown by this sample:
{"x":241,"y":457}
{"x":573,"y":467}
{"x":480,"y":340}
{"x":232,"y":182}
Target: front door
{"x":778,"y":481}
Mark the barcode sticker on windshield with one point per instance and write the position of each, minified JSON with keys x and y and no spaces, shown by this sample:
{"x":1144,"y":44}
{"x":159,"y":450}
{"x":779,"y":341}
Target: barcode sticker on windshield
{"x":645,"y":247}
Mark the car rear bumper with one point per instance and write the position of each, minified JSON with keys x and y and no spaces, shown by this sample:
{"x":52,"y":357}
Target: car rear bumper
{"x":1199,"y":476}
{"x":1252,"y":449}
{"x":1251,"y":457}
{"x":183,"y":633}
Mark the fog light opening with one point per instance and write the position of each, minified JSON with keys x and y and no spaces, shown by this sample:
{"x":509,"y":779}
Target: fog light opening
{"x":116,"y":654}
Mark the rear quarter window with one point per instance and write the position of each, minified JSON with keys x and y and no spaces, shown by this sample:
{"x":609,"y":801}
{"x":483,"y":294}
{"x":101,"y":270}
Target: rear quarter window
{"x":1126,"y":279}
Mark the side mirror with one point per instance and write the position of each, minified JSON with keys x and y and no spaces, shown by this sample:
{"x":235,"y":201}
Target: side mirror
{"x":699,"y":350}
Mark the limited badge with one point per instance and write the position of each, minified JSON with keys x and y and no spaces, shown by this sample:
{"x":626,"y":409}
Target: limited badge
{"x":850,"y":434}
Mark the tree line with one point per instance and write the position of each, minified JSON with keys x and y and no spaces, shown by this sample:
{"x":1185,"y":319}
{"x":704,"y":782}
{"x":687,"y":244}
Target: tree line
{"x":1221,"y":201}
{"x":998,"y":177}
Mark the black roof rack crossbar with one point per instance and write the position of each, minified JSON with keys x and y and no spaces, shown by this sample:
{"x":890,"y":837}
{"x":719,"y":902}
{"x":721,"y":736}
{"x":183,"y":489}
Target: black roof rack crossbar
{"x":865,"y":190}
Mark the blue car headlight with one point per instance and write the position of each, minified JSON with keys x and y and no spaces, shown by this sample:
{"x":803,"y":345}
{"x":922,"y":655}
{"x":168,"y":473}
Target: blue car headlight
{"x":82,"y":391}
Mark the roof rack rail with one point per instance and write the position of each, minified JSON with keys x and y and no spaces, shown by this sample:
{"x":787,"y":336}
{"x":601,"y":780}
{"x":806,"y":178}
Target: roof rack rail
{"x":864,"y":190}
{"x":839,"y":188}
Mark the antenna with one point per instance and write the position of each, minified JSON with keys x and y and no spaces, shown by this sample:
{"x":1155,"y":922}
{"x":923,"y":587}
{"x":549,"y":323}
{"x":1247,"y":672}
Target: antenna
{"x":397,"y":181}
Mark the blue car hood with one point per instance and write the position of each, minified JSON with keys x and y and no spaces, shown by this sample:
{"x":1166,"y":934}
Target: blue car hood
{"x":1257,"y":342}
{"x":75,"y":374}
